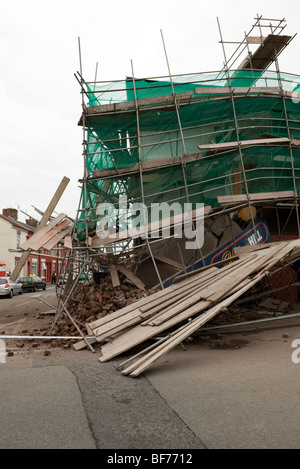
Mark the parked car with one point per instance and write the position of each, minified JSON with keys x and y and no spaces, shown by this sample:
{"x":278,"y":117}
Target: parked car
{"x":32,"y":283}
{"x":9,"y":288}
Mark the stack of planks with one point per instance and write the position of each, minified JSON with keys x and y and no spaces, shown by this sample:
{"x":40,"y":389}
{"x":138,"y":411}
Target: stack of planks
{"x":190,"y":303}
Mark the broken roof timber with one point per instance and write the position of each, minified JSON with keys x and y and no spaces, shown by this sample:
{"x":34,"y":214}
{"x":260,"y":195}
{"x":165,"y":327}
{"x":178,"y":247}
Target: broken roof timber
{"x":54,"y":232}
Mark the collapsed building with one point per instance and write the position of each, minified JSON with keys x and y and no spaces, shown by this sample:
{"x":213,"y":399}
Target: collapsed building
{"x":156,"y":148}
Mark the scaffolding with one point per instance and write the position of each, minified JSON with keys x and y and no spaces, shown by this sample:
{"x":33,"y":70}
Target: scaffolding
{"x":228,"y":139}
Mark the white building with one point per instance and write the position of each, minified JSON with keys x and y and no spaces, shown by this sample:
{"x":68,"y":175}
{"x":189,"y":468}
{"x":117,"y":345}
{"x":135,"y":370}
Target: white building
{"x":12,"y":234}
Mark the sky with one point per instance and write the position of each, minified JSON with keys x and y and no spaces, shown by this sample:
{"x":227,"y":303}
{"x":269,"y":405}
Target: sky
{"x":40,"y":99}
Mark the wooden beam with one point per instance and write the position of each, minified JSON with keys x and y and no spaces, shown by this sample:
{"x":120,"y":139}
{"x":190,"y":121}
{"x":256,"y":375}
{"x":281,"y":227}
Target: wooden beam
{"x":255,"y":39}
{"x":42,"y":237}
{"x":114,"y":276}
{"x":238,"y":90}
{"x":131,"y":277}
{"x":226,"y":199}
{"x":131,"y":105}
{"x":244,"y":143}
{"x":147,"y":166}
{"x":58,"y":237}
{"x":68,"y":242}
{"x":167,"y":260}
{"x":206,"y":267}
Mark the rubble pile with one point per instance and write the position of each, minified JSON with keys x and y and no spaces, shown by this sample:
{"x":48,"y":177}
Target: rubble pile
{"x":93,"y":301}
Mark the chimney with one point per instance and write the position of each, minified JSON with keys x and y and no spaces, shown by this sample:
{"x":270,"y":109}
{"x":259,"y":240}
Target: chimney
{"x":10,"y":212}
{"x":32,"y":222}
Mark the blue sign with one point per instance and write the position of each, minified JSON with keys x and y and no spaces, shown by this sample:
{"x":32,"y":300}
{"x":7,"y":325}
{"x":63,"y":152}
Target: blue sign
{"x":248,"y":237}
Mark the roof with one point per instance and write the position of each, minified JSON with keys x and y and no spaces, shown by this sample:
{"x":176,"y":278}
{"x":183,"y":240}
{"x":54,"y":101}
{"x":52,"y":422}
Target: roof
{"x":18,"y":224}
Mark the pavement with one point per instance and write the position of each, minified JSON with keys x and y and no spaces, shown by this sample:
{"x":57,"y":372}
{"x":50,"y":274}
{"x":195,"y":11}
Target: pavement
{"x":42,"y":408}
{"x":231,"y":391}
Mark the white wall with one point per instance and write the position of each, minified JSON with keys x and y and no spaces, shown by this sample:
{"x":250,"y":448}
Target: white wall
{"x":8,"y":240}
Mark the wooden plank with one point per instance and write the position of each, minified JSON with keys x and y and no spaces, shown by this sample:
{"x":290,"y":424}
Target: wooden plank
{"x":244,"y":143}
{"x":131,"y":277}
{"x":68,"y":242}
{"x":173,"y":299}
{"x":226,"y":90}
{"x":255,"y":197}
{"x":146,"y":309}
{"x":162,"y":305}
{"x":206,"y":267}
{"x":137,"y":316}
{"x":170,"y":293}
{"x":121,"y":328}
{"x":240,"y":250}
{"x":38,"y":242}
{"x":157,"y":313}
{"x":149,"y":301}
{"x":146,"y":166}
{"x":167,"y":260}
{"x":139,"y":333}
{"x":266,"y":52}
{"x":212,"y":292}
{"x":82,"y":344}
{"x":38,"y":234}
{"x":255,"y":39}
{"x":114,"y":276}
{"x":140,"y":365}
{"x":131,"y":105}
{"x":58,"y":237}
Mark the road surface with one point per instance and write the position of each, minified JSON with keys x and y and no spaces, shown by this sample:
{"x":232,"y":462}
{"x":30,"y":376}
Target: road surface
{"x":237,"y":390}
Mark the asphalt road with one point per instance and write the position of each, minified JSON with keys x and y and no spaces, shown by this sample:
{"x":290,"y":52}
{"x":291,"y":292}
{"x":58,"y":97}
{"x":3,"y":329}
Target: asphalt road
{"x":235,"y":391}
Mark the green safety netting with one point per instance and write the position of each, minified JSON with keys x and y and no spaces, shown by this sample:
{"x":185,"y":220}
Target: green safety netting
{"x":117,"y":140}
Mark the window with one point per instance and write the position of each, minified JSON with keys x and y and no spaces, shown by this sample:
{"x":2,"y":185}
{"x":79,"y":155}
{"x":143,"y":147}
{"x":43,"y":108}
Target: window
{"x":43,"y":269}
{"x":18,"y":239}
{"x":34,"y":266}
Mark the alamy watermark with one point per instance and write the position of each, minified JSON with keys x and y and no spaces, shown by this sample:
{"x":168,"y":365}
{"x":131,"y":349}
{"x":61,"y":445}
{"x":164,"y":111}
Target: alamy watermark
{"x":159,"y":220}
{"x":296,"y":352}
{"x":2,"y":351}
{"x":295,"y":97}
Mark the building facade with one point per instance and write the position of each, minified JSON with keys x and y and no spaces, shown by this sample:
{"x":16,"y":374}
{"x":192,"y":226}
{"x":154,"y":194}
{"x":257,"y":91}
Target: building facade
{"x":13,"y":233}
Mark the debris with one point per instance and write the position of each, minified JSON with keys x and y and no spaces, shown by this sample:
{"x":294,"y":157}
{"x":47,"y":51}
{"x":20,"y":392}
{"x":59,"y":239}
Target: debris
{"x":274,"y":304}
{"x":190,"y":303}
{"x":91,"y":301}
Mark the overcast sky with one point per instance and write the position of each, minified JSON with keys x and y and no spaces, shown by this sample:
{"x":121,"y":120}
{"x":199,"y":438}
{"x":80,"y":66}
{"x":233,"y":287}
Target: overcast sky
{"x":40,"y":141}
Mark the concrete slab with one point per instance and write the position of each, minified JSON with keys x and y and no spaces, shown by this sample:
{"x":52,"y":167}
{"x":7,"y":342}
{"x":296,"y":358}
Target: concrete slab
{"x":41,"y":408}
